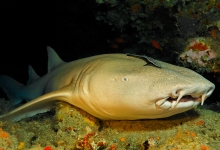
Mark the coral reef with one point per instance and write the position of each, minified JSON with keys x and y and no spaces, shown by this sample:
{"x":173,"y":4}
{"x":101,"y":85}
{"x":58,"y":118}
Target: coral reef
{"x":169,"y":23}
{"x":169,"y":30}
{"x":202,"y":54}
{"x":7,"y":142}
{"x":72,"y":128}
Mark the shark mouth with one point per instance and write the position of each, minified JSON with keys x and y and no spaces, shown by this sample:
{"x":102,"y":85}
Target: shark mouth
{"x":185,"y":101}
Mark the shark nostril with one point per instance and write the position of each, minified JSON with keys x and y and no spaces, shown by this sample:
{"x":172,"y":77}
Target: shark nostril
{"x":178,"y":91}
{"x":175,"y":93}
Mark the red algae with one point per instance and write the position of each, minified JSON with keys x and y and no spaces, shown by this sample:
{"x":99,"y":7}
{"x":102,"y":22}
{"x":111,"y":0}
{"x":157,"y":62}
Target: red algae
{"x":203,"y":147}
{"x":85,"y":140}
{"x":47,"y":148}
{"x":200,"y":123}
{"x":218,"y":5}
{"x":198,"y":46}
{"x":135,"y":8}
{"x":3,"y":134}
{"x":112,"y":147}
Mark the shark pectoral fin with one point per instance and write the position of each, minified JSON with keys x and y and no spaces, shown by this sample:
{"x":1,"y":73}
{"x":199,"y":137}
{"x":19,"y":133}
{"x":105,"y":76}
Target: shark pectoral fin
{"x":39,"y":105}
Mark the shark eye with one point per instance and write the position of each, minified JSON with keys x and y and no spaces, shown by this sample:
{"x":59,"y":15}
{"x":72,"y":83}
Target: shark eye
{"x":125,"y":79}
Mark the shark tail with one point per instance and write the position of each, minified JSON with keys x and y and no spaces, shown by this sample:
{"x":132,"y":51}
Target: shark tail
{"x":16,"y":92}
{"x":12,"y":88}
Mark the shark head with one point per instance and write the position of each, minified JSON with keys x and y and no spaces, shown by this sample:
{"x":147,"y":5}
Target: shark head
{"x":141,"y":90}
{"x":180,"y":90}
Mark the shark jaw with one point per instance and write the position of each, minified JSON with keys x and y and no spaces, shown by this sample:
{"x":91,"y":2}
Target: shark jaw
{"x":182,"y":101}
{"x":185,"y":102}
{"x":185,"y":98}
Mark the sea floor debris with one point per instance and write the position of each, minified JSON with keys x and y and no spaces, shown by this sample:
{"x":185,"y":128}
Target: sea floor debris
{"x":72,"y":128}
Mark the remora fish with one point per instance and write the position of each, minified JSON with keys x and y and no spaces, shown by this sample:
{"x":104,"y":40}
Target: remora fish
{"x":110,"y":87}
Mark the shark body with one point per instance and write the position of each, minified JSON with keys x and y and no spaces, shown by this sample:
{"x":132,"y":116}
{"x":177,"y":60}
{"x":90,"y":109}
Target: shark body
{"x":109,"y":87}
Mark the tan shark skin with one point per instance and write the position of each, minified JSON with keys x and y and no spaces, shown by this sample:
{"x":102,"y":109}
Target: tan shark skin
{"x":111,"y":87}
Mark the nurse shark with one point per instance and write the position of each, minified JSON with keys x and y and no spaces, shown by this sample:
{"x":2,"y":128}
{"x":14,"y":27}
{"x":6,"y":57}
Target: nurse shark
{"x":109,"y":87}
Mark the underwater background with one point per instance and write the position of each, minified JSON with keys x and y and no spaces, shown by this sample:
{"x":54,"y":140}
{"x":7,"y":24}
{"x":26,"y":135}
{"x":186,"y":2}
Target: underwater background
{"x":181,"y":32}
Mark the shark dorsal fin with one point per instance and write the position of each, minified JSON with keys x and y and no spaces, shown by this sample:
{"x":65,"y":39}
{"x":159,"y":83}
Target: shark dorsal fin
{"x":32,"y":75}
{"x":53,"y":59}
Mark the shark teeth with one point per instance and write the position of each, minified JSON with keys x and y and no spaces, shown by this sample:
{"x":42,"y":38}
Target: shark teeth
{"x":200,"y":98}
{"x":195,"y":97}
{"x":181,"y":94}
{"x":172,"y":102}
{"x":203,"y":99}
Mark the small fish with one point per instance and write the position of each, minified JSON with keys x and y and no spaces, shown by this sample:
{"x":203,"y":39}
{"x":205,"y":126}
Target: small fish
{"x":155,"y":44}
{"x":119,"y":40}
{"x":114,"y":46}
{"x":213,"y":33}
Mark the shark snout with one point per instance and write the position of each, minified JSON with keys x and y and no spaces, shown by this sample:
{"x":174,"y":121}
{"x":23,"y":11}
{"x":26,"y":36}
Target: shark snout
{"x":187,"y":96}
{"x":198,"y":92}
{"x":210,"y":90}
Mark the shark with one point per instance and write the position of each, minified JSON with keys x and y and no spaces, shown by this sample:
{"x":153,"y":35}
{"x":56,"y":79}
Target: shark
{"x":109,"y":87}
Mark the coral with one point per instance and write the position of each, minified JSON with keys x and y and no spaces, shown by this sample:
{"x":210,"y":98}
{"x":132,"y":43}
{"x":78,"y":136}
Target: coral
{"x":194,"y":17}
{"x":170,"y":22}
{"x":6,"y":142}
{"x":200,"y":46}
{"x":47,"y":148}
{"x":183,"y":139}
{"x":203,"y":147}
{"x":85,"y":143}
{"x":141,"y":21}
{"x":21,"y":145}
{"x":112,"y":147}
{"x":201,"y":53}
{"x":200,"y":123}
{"x":3,"y":134}
{"x":76,"y":129}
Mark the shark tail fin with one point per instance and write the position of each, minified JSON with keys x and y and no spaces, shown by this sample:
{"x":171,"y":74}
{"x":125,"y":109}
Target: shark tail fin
{"x":12,"y":88}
